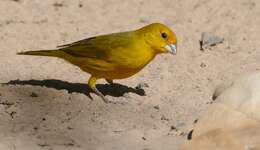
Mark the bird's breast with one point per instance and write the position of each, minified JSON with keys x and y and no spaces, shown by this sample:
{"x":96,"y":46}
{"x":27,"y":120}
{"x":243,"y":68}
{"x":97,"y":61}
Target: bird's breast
{"x":128,"y":63}
{"x":137,"y":59}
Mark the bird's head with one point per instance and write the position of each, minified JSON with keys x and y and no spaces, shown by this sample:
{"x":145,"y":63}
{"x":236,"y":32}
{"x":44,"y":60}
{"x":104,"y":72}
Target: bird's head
{"x":160,"y":38}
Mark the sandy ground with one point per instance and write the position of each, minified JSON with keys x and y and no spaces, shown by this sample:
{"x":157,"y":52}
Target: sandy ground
{"x":47,"y":105}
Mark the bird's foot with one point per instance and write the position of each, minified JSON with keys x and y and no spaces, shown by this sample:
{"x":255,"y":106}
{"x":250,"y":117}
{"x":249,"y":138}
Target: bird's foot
{"x":106,"y":99}
{"x":101,"y":95}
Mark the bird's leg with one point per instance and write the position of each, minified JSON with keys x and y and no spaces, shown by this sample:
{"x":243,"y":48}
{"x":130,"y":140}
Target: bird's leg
{"x":92,"y":84}
{"x":110,"y":81}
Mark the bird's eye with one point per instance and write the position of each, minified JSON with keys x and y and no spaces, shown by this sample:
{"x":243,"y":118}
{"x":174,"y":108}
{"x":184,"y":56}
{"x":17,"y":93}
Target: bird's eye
{"x":164,"y":35}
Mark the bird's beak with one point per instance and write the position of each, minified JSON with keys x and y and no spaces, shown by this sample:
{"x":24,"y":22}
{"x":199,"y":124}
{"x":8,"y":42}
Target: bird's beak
{"x":171,"y":48}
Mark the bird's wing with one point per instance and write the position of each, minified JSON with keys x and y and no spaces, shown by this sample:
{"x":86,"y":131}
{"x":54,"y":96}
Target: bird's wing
{"x":80,"y":42}
{"x":98,"y":53}
{"x":99,"y":47}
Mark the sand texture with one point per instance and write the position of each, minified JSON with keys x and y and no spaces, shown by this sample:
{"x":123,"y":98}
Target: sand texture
{"x":45,"y":103}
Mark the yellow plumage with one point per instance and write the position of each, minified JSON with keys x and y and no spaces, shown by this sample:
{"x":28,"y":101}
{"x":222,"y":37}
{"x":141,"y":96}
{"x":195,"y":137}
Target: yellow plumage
{"x":116,"y":55}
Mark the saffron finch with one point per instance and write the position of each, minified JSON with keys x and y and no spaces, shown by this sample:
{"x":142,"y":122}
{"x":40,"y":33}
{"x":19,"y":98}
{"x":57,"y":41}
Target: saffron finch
{"x":116,"y":55}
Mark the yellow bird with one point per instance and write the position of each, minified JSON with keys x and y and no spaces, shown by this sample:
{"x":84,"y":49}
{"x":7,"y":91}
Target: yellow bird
{"x":116,"y":55}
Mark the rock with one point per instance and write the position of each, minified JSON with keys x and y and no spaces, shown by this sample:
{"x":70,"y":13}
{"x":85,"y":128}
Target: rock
{"x":232,"y":122}
{"x":209,"y":39}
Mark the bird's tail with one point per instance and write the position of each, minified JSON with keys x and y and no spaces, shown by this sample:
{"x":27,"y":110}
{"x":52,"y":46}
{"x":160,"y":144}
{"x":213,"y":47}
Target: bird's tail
{"x":52,"y":53}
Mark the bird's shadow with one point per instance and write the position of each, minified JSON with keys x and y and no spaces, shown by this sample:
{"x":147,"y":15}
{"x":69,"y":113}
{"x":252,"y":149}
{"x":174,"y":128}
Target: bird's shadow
{"x":115,"y":89}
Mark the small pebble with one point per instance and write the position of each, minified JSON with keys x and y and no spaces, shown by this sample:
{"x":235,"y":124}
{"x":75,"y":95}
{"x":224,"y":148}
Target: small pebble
{"x":80,"y":5}
{"x":203,"y":65}
{"x":182,"y":134}
{"x":70,"y":128}
{"x":173,"y":128}
{"x":43,"y":144}
{"x":164,"y":118}
{"x":58,"y":5}
{"x":189,"y":137}
{"x":195,"y":121}
{"x":34,"y":94}
{"x":208,"y":40}
{"x":69,"y":144}
{"x":12,"y":114}
{"x":156,"y":107}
